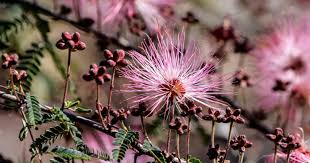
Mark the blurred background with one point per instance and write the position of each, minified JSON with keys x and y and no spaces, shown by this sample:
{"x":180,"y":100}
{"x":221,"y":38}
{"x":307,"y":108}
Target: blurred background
{"x":41,"y":27}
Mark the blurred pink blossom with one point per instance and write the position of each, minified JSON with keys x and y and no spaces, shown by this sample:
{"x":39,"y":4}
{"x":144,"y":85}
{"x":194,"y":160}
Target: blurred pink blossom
{"x":117,"y":12}
{"x":284,"y":74}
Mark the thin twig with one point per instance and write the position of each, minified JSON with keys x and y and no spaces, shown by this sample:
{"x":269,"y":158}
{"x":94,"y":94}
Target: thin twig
{"x":98,"y":107}
{"x":188,"y":138}
{"x":110,"y":94}
{"x":177,"y":146}
{"x":275,"y":153}
{"x":67,"y":80}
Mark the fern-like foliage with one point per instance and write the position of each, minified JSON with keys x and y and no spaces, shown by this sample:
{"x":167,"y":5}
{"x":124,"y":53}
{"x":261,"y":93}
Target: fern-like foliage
{"x":69,"y":153}
{"x":49,"y":136}
{"x":30,"y":61}
{"x":123,"y":140}
{"x":33,"y":113}
{"x":9,"y":27}
{"x":98,"y":155}
{"x":194,"y":160}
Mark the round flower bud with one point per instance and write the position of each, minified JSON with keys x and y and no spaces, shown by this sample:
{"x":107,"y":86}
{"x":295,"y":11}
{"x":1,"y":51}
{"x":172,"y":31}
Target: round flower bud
{"x":100,"y":80}
{"x":76,"y":37}
{"x":101,"y":70}
{"x":119,"y":55}
{"x":123,"y":63}
{"x":108,"y":54}
{"x":87,"y":77}
{"x":13,"y":59}
{"x":107,"y":77}
{"x":71,"y":44}
{"x":111,"y":63}
{"x":81,"y":46}
{"x":66,"y":36}
{"x":23,"y":74}
{"x":5,"y":57}
{"x":5,"y":65}
{"x":61,"y":45}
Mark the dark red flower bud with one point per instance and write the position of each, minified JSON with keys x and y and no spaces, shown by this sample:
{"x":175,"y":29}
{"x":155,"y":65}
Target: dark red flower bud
{"x":66,"y":36}
{"x":76,"y":37}
{"x":107,"y":77}
{"x":14,"y":59}
{"x":119,"y":55}
{"x":87,"y":77}
{"x":123,"y":63}
{"x":81,"y":46}
{"x":108,"y":54}
{"x":101,"y":70}
{"x":99,"y":80}
{"x":23,"y":74}
{"x":71,"y":44}
{"x":5,"y":57}
{"x":111,"y":63}
{"x":61,"y":45}
{"x":5,"y":65}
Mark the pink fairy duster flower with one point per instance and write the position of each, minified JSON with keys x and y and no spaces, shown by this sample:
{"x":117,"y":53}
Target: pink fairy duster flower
{"x":281,"y":63}
{"x":167,"y":74}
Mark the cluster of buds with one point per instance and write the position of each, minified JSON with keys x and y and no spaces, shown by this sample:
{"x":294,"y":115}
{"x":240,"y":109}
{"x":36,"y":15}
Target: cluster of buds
{"x":242,"y":79}
{"x":19,"y":76}
{"x":276,"y":136}
{"x":119,"y":115}
{"x":114,"y":59}
{"x":178,"y":125}
{"x":290,"y":143}
{"x":190,"y":109}
{"x":233,"y":116}
{"x":141,"y":110}
{"x":97,"y":73}
{"x":190,"y":18}
{"x":9,"y":60}
{"x":71,"y":42}
{"x":287,"y":143}
{"x":215,"y":152}
{"x":240,"y":143}
{"x":224,"y":32}
{"x":213,"y":115}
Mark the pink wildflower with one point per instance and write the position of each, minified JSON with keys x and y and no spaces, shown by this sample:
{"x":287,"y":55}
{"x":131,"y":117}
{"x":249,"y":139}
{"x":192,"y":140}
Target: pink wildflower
{"x":167,"y":74}
{"x":281,"y":63}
